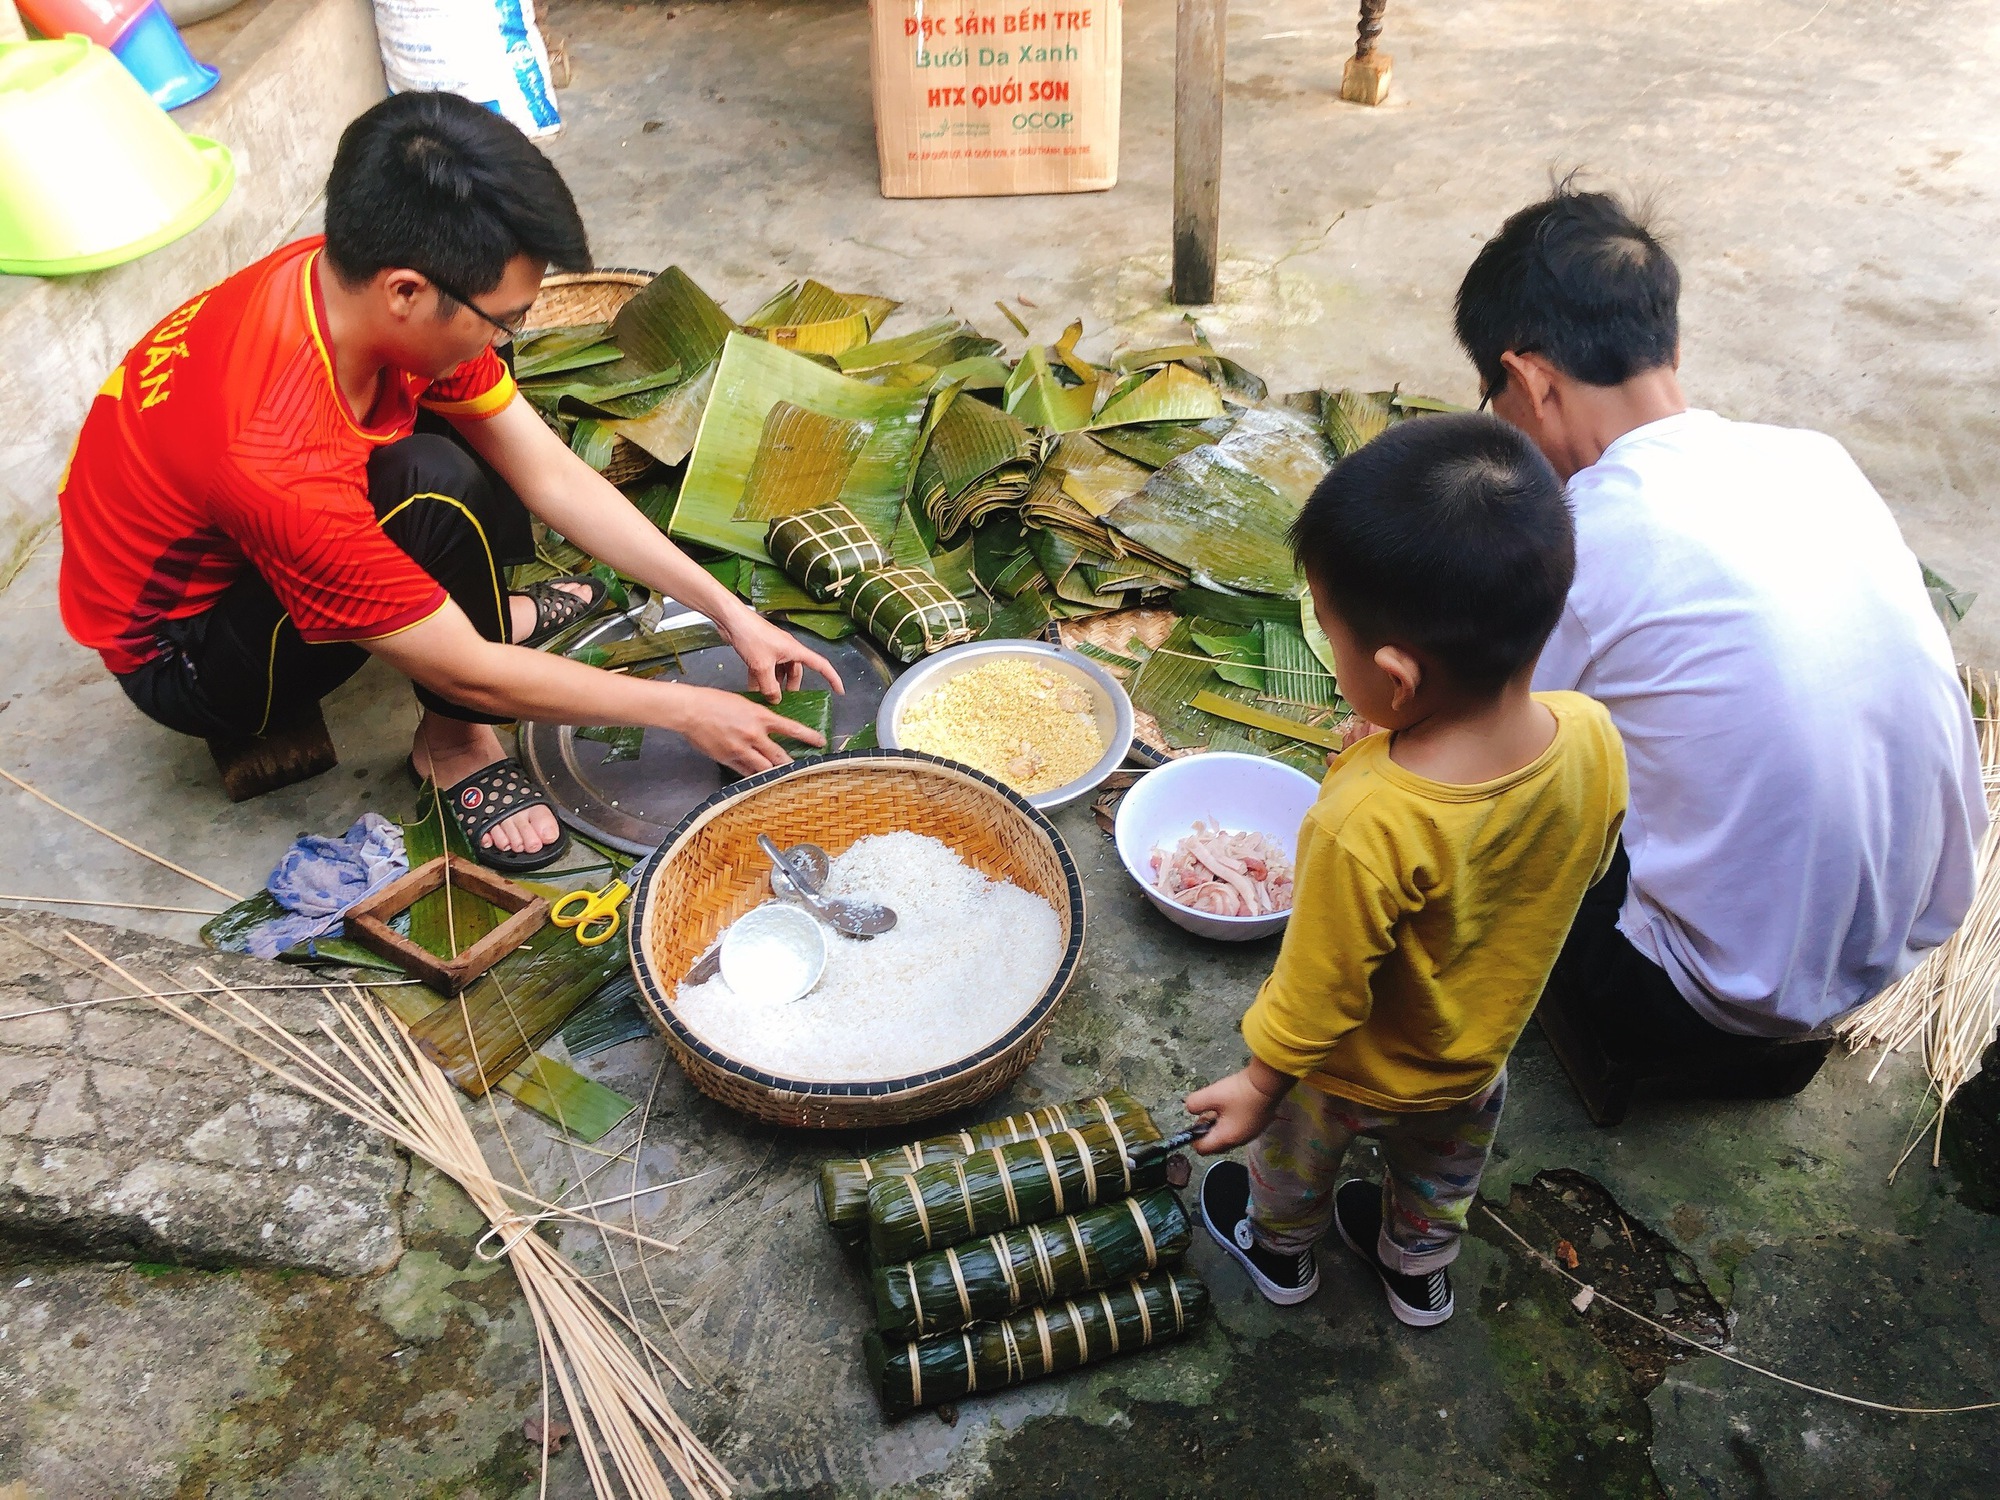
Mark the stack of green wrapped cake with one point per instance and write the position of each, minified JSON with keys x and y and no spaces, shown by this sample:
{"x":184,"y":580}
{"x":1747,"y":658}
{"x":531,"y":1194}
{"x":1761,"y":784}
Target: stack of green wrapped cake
{"x":1015,"y":1249}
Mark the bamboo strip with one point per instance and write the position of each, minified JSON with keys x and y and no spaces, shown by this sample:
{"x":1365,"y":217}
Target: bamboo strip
{"x":190,"y":911}
{"x":624,"y":1424}
{"x":220,"y":890}
{"x":1952,"y":999}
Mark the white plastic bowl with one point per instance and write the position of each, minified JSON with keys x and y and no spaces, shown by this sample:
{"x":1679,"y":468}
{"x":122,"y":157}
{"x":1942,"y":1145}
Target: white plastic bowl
{"x":1243,"y":793}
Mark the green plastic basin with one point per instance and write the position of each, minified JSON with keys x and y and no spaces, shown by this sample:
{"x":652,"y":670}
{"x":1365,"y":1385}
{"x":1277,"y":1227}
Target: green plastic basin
{"x":92,"y":172}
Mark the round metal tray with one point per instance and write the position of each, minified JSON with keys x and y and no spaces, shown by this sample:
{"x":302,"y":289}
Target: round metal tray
{"x":1114,"y":708}
{"x":633,"y":804}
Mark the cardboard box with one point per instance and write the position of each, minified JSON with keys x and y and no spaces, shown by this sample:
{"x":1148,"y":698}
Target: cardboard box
{"x":975,"y":98}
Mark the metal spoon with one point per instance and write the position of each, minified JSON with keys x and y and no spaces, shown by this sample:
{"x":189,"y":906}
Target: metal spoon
{"x":861,"y":919}
{"x":811,"y":861}
{"x":814,"y":863}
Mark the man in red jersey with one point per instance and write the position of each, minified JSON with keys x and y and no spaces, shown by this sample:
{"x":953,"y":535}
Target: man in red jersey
{"x":251,"y":512}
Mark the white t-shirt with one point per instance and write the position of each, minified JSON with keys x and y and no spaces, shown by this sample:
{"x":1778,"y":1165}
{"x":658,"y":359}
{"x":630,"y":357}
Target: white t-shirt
{"x":1806,"y":799}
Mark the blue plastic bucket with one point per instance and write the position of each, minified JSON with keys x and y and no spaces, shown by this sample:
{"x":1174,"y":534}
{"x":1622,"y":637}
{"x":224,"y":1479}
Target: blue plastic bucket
{"x":153,"y":53}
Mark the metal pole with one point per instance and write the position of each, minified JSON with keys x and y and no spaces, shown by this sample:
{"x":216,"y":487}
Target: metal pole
{"x":1198,"y":35}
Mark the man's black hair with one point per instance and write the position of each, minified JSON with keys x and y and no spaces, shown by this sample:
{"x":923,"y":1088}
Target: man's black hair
{"x":442,"y":186}
{"x":1448,"y":535}
{"x":1579,"y":280}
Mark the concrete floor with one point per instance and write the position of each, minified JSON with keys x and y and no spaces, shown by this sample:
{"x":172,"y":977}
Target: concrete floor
{"x":1828,"y":173}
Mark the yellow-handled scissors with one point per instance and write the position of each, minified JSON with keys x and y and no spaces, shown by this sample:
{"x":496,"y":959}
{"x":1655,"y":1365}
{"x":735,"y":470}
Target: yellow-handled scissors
{"x":595,"y":914}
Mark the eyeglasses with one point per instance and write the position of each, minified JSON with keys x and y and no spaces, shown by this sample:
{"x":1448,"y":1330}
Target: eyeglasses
{"x":507,"y":327}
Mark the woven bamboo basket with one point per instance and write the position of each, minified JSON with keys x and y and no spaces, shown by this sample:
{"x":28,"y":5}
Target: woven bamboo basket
{"x":708,"y":872}
{"x":572,"y":297}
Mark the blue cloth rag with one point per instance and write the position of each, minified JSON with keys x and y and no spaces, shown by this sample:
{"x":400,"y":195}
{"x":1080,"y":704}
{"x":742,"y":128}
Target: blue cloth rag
{"x":318,"y":878}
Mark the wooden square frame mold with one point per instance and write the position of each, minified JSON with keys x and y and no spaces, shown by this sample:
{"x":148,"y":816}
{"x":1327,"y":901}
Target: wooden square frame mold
{"x":368,"y":922}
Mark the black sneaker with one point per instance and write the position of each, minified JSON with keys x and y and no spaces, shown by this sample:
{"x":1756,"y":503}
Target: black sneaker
{"x":1225,"y":1209}
{"x":1420,"y":1301}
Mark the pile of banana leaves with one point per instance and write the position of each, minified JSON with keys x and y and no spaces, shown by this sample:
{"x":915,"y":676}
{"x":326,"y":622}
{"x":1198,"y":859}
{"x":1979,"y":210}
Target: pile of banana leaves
{"x":1045,"y":489}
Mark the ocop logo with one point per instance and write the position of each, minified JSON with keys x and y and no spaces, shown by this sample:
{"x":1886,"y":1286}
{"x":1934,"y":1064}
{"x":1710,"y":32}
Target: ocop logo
{"x":1044,"y":119}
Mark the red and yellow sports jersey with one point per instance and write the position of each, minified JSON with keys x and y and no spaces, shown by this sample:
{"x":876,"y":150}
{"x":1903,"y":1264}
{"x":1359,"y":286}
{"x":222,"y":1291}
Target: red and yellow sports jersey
{"x":223,"y":443}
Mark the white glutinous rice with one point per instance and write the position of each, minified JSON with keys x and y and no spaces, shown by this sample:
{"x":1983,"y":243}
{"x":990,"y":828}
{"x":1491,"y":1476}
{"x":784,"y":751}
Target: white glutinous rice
{"x":965,"y":960}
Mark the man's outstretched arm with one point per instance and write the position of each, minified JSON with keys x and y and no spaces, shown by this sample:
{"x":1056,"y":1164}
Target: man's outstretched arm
{"x":448,"y":656}
{"x":585,"y":507}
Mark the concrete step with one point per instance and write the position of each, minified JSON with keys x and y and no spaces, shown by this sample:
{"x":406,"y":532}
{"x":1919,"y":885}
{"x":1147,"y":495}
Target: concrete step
{"x":294,"y":72}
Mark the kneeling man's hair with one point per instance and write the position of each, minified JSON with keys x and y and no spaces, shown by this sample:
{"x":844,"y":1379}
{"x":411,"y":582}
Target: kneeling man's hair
{"x":1579,"y":280}
{"x":439,"y":185}
{"x":1448,"y":536}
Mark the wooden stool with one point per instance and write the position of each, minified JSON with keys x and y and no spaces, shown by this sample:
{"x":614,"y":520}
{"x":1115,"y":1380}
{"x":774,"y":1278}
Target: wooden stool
{"x":256,"y":764}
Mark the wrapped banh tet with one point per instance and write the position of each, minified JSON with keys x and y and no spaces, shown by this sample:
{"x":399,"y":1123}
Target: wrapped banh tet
{"x":908,"y":612}
{"x":1005,"y":1272}
{"x":824,"y":549}
{"x":1044,"y":1178}
{"x":912,"y":1373}
{"x":843,"y":1184}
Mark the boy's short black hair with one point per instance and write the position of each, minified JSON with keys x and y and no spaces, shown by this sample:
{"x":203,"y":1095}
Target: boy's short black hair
{"x":1448,"y":535}
{"x":442,"y":186}
{"x":1579,"y":280}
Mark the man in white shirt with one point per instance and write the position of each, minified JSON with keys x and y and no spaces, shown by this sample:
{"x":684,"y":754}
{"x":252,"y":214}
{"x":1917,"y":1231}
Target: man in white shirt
{"x":1805,"y":800}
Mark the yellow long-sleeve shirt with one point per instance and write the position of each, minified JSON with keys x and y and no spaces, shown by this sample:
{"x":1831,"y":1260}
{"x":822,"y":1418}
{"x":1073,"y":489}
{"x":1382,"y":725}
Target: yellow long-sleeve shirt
{"x":1427,"y":916}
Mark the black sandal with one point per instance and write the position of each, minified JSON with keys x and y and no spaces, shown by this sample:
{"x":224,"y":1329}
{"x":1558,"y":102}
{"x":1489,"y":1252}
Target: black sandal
{"x":556,"y":609}
{"x":491,"y":796}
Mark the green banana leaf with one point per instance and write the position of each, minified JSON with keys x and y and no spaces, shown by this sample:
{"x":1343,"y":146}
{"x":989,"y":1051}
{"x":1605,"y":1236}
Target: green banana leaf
{"x":516,"y":1006}
{"x":812,"y":707}
{"x":1316,"y":640}
{"x":1022,"y":619}
{"x":1281,"y":448}
{"x":803,"y":460}
{"x":1094,"y":476}
{"x":979,"y":372}
{"x":1218,"y":521}
{"x":1036,"y":397}
{"x":656,"y":501}
{"x":1292,"y":673}
{"x":1064,"y":350}
{"x":1239,"y":656}
{"x":671,"y":321}
{"x":813,"y":318}
{"x":585,"y":1108}
{"x":554,"y":351}
{"x":435,"y":926}
{"x":621,"y":741}
{"x":910,"y":348}
{"x":1236,"y":609}
{"x":616,"y":390}
{"x":594,"y":442}
{"x":1203,"y":360}
{"x":828,"y":625}
{"x":771,"y":590}
{"x":977,"y":459}
{"x":1157,"y":444}
{"x":1257,"y":718}
{"x":752,"y":378}
{"x":612,"y":1016}
{"x":668,"y":430}
{"x":1351,"y":419}
{"x":1174,"y":394}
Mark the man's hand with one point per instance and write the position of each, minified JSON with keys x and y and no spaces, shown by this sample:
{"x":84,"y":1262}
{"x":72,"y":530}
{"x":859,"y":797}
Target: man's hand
{"x":1243,"y":1104}
{"x":739,"y":733}
{"x":776,"y":661}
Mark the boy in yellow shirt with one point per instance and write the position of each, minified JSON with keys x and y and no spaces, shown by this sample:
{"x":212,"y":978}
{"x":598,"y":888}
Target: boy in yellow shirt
{"x":1437,"y":874}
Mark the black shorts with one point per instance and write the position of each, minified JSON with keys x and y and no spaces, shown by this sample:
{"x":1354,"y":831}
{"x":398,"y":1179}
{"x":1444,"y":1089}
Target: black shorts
{"x":241,"y":668}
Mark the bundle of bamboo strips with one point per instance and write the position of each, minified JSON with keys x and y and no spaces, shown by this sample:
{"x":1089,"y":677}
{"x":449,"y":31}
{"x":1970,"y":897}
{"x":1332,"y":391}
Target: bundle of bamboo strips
{"x":1952,"y":999}
{"x":622,"y":1419}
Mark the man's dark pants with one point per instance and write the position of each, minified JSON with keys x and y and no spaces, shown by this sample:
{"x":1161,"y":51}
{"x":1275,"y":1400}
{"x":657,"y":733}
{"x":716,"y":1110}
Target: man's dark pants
{"x":1614,"y":1019}
{"x":240,"y":667}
